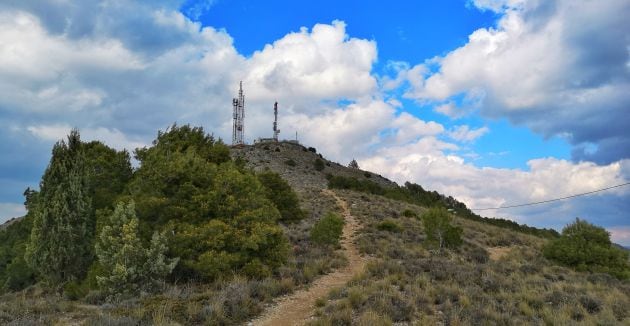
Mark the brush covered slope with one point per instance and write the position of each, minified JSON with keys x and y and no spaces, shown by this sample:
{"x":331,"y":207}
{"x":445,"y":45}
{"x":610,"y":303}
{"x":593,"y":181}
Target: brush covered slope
{"x":192,"y":196}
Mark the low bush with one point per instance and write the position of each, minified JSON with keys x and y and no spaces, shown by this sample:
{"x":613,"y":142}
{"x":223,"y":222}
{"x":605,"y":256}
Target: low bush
{"x":389,"y":225}
{"x":290,"y":162}
{"x":318,"y":164}
{"x":409,"y":213}
{"x":328,"y":230}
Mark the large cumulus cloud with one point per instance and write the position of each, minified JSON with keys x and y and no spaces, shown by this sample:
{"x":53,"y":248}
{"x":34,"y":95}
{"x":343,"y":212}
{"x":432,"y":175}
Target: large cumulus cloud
{"x":560,"y":67}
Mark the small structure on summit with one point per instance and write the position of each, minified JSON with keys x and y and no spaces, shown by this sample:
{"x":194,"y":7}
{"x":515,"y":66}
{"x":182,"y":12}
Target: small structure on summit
{"x":238,"y":128}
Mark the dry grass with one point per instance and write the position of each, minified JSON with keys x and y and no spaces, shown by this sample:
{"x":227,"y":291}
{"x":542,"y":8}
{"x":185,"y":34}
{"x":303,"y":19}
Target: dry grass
{"x":496,"y":277}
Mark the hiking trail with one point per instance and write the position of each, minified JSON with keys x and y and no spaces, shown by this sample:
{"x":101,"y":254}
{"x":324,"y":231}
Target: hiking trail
{"x":298,"y":307}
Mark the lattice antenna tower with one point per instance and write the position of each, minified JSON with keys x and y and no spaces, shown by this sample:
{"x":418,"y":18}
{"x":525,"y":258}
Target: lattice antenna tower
{"x":276,"y":131}
{"x":238,"y":129}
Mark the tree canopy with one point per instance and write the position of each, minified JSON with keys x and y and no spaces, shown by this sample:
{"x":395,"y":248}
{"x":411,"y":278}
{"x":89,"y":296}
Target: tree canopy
{"x":587,"y":247}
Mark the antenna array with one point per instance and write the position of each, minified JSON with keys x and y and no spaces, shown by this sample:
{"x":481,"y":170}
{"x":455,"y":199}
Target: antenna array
{"x":238,"y":129}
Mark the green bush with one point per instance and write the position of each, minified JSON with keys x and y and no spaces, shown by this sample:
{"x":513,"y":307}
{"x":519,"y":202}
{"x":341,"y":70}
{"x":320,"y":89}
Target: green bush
{"x":290,"y":162}
{"x":328,"y":230}
{"x":409,"y":213}
{"x":389,"y":225}
{"x":440,"y":232}
{"x":587,"y":247}
{"x":318,"y":164}
{"x":282,"y":195}
{"x":129,"y":267}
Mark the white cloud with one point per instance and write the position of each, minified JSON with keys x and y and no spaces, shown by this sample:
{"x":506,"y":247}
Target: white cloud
{"x":81,"y":64}
{"x":321,"y":64}
{"x":558,"y":67}
{"x":426,"y":163}
{"x":620,"y":235}
{"x":11,"y":210}
{"x":465,"y":134}
{"x":111,"y":137}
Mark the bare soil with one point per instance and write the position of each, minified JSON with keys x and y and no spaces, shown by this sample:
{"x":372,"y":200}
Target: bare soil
{"x":298,"y":307}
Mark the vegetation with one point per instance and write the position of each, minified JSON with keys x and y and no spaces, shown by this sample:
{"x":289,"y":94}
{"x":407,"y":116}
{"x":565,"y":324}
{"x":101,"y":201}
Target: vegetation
{"x":61,"y":237}
{"x":282,"y":196}
{"x":239,"y":239}
{"x":128,"y":267}
{"x":318,"y":164}
{"x":439,"y":231}
{"x":353,"y":164}
{"x":587,"y":247}
{"x":405,"y":284}
{"x":328,"y":230}
{"x":414,"y":194}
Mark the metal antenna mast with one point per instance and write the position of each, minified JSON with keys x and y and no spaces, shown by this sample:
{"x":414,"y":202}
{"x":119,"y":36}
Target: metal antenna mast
{"x":276,"y":131}
{"x":239,"y":116}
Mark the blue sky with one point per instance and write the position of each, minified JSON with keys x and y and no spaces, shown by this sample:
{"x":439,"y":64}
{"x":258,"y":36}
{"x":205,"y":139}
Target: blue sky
{"x":495,"y":102}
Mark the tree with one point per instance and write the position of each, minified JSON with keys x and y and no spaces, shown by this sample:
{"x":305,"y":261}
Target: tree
{"x":282,"y":195}
{"x":61,"y":237}
{"x":438,"y":228}
{"x":353,"y":164}
{"x":218,"y":215}
{"x":128,"y":267}
{"x":587,"y":247}
{"x":109,"y":170}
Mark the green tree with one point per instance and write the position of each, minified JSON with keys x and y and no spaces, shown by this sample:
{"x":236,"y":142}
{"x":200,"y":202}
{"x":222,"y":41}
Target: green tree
{"x":61,"y":237}
{"x":109,"y":170}
{"x":128,"y":267}
{"x":282,"y":195}
{"x":438,"y":228}
{"x":587,"y":247}
{"x":328,"y":230}
{"x":218,"y":216}
{"x":239,"y":231}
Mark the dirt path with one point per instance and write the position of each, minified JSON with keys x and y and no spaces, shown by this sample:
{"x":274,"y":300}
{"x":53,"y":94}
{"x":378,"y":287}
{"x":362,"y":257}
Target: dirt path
{"x":296,"y":308}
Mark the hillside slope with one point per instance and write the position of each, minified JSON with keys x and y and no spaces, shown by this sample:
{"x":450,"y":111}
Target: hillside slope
{"x":497,"y":276}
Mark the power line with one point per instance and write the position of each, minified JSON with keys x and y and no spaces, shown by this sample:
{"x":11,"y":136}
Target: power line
{"x":552,"y":200}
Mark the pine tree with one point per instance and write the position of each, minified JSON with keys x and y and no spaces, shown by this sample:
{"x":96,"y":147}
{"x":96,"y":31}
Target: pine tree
{"x":60,"y":244}
{"x":129,"y":268}
{"x":353,"y":164}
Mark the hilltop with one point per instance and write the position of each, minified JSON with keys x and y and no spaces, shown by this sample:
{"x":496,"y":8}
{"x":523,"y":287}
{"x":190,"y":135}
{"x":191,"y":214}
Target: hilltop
{"x":379,"y":268}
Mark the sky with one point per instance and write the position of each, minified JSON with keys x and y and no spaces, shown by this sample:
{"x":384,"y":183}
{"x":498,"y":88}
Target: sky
{"x":495,"y":102}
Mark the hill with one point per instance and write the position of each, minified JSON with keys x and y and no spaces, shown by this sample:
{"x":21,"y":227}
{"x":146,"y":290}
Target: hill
{"x":378,"y":270}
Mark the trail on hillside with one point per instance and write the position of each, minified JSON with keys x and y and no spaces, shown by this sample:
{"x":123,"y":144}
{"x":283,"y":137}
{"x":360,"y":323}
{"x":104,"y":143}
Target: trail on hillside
{"x":297,"y":307}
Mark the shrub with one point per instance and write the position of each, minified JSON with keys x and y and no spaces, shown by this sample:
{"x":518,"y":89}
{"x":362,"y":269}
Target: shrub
{"x":389,"y":225}
{"x":478,"y":255}
{"x":318,"y":164}
{"x":290,"y":162}
{"x":282,"y":195}
{"x":128,"y":266}
{"x":587,"y":247}
{"x":312,"y":149}
{"x":328,"y":230}
{"x":409,"y":213}
{"x":592,"y":305}
{"x":367,"y":175}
